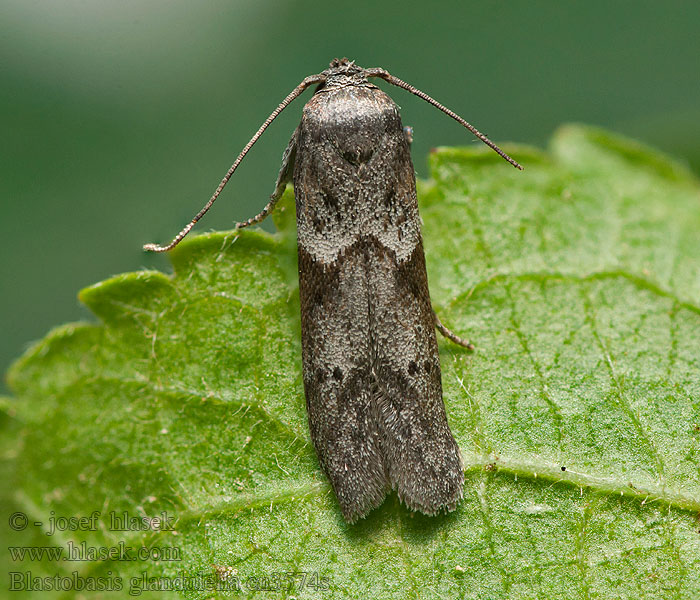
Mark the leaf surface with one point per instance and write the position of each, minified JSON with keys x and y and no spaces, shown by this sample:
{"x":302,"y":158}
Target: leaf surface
{"x":578,"y":415}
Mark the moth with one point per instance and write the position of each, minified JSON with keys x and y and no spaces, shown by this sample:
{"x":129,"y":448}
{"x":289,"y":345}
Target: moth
{"x":371,"y":367}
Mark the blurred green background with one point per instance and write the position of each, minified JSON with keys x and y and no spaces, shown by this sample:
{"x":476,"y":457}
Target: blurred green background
{"x":120,"y":118}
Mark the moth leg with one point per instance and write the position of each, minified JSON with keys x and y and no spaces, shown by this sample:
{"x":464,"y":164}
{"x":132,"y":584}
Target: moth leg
{"x":264,"y":212}
{"x":451,"y":335}
{"x":284,"y":177}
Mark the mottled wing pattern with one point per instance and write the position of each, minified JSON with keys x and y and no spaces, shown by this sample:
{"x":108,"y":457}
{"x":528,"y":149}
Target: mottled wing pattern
{"x":420,"y":454}
{"x":371,"y":367}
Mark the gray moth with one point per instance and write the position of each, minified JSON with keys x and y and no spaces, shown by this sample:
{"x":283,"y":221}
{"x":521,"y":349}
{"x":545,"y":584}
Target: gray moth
{"x":371,"y":366}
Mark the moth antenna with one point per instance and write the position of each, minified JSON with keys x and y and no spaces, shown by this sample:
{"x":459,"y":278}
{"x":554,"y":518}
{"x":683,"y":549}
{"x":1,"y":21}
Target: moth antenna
{"x":297,"y":91}
{"x":386,"y":76}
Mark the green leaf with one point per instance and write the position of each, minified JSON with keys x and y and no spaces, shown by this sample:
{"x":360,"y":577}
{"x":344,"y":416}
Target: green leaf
{"x":578,"y":415}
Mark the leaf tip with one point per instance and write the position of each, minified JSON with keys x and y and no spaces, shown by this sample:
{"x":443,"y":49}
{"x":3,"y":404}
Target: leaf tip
{"x":109,"y":300}
{"x":576,"y":143}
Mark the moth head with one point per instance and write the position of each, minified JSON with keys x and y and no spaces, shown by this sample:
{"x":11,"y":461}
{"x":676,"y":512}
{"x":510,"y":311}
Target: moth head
{"x":344,"y":72}
{"x":341,"y":62}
